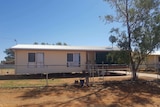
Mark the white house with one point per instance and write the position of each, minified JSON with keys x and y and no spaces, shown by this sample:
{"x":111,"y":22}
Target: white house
{"x":33,"y":59}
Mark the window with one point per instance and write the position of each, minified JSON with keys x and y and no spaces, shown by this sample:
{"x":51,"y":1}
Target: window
{"x":69,"y":57}
{"x":36,"y":59}
{"x":73,"y":59}
{"x":31,"y":57}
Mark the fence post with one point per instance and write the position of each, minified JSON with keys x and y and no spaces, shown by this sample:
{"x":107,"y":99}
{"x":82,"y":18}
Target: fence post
{"x":46,"y":77}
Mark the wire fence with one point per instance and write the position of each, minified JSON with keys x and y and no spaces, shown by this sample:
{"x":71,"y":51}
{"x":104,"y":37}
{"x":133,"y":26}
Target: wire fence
{"x":6,"y":69}
{"x":43,"y":69}
{"x":46,"y":76}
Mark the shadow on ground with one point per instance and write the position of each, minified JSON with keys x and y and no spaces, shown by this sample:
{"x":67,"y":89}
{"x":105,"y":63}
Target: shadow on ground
{"x":119,"y":93}
{"x":137,"y":92}
{"x":52,"y":75}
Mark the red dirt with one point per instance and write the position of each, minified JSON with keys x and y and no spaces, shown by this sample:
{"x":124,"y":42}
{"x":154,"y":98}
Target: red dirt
{"x":114,"y":93}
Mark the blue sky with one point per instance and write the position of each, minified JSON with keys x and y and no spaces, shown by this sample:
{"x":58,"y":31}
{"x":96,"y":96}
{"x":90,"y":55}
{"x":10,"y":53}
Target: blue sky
{"x":75,"y":22}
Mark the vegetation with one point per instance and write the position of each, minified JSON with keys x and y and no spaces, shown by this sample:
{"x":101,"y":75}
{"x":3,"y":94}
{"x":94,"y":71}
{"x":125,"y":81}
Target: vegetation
{"x":43,"y":43}
{"x":9,"y":59}
{"x":114,"y":92}
{"x":117,"y":57}
{"x":29,"y":82}
{"x":139,"y":34}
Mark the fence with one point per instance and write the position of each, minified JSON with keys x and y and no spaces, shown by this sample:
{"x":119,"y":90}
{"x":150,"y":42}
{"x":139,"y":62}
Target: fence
{"x":32,"y":69}
{"x":7,"y":69}
{"x":11,"y":69}
{"x":37,"y":69}
{"x":44,"y":75}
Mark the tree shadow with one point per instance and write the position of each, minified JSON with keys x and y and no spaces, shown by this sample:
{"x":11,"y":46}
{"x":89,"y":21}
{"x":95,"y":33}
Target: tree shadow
{"x":41,"y":91}
{"x":52,"y":76}
{"x":126,"y":89}
{"x":141,"y":85}
{"x":86,"y":100}
{"x":134,"y":91}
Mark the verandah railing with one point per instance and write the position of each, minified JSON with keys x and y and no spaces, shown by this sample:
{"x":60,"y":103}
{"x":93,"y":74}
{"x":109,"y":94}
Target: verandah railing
{"x":44,"y":78}
{"x":6,"y":69}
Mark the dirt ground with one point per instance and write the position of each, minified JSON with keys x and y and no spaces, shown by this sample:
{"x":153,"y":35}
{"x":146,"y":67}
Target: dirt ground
{"x":115,"y":92}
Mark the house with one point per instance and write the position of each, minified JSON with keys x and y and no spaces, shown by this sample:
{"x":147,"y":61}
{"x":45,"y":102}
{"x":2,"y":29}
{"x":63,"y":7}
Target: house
{"x":153,"y":61}
{"x":33,"y":59}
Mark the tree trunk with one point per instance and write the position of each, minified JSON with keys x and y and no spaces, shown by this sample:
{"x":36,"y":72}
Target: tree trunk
{"x":134,"y":72}
{"x":134,"y":75}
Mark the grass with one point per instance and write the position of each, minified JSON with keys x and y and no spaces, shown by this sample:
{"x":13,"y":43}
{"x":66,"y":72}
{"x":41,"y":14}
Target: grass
{"x":21,"y":83}
{"x":115,"y":92}
{"x":29,"y":83}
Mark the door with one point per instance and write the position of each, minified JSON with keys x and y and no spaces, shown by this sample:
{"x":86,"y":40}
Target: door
{"x":40,"y":59}
{"x":76,"y":59}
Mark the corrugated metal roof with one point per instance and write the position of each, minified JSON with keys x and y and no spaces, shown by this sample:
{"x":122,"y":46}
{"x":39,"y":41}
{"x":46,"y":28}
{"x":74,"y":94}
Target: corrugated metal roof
{"x":61,"y":47}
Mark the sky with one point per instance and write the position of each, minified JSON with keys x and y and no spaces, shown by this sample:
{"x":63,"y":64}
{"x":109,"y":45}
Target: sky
{"x":75,"y":22}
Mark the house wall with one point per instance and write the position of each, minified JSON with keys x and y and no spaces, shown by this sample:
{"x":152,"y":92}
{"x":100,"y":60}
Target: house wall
{"x":153,"y":61}
{"x":91,"y":57}
{"x":54,"y":62}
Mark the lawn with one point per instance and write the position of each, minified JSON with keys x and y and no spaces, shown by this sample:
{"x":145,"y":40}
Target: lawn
{"x":61,"y":92}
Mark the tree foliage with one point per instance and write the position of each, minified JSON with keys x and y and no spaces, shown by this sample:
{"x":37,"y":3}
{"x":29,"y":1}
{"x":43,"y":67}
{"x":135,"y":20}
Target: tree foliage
{"x":43,"y":43}
{"x":35,"y":43}
{"x":112,"y":39}
{"x":9,"y":59}
{"x":140,"y":21}
{"x":117,"y":57}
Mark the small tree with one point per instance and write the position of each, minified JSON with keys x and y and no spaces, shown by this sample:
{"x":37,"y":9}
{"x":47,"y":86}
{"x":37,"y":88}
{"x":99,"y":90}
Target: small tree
{"x":141,"y":21}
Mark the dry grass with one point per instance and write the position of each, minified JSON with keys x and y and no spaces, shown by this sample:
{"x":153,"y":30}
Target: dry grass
{"x":7,"y":71}
{"x":115,"y":92}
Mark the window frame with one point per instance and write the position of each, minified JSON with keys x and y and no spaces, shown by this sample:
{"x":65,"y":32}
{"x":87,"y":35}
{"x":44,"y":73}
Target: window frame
{"x":73,"y":62}
{"x":69,"y":57}
{"x":31,"y":57}
{"x":34,"y":61}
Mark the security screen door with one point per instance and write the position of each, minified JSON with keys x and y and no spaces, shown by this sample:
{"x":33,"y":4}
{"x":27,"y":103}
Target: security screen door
{"x":40,"y":59}
{"x":73,"y":59}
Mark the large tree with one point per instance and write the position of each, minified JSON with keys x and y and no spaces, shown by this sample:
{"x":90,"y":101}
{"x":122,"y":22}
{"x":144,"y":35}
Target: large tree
{"x":140,"y":30}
